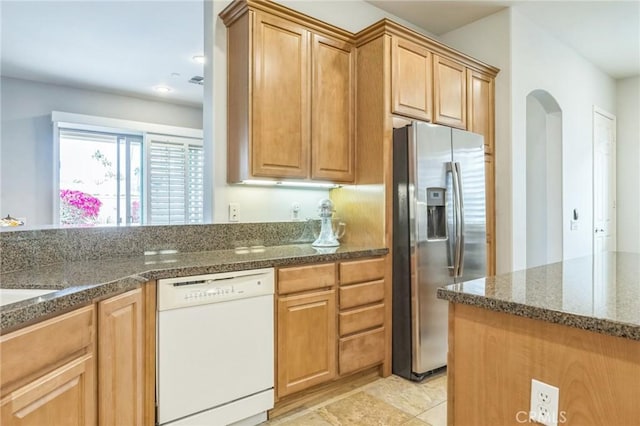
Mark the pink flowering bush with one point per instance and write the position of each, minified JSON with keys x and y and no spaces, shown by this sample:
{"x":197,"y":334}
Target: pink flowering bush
{"x":77,"y":207}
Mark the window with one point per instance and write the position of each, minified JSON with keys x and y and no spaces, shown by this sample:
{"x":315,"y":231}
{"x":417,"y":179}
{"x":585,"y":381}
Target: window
{"x":100,"y":178}
{"x":109,"y":176}
{"x":175,"y":180}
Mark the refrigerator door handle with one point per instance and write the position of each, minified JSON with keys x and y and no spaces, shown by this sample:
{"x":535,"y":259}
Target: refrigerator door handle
{"x":451,"y":245}
{"x":460,"y":216}
{"x":453,"y":168}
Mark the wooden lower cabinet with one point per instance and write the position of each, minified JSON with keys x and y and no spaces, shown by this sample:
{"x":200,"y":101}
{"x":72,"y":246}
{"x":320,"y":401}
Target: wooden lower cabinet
{"x":66,"y":396}
{"x":361,"y":350}
{"x":306,"y":341}
{"x":493,"y":356}
{"x":47,"y":379}
{"x":121,"y":360}
{"x":362,"y":315}
{"x":85,"y":367}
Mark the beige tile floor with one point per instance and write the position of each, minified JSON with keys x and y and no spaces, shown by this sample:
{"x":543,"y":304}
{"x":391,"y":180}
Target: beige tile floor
{"x":385,"y":402}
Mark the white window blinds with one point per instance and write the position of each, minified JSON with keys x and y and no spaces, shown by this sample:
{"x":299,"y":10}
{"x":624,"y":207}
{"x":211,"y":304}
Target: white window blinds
{"x":175,"y":180}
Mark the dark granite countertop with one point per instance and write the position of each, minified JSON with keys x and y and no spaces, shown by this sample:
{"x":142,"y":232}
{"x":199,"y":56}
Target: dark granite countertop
{"x":597,"y":293}
{"x":82,"y":282}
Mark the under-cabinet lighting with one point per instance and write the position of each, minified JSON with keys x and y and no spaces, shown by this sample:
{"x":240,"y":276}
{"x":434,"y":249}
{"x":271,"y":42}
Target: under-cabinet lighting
{"x":199,"y":59}
{"x":308,"y":185}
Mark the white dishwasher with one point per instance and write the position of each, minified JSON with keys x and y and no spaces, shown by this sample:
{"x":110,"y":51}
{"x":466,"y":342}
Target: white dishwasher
{"x":215,"y":349}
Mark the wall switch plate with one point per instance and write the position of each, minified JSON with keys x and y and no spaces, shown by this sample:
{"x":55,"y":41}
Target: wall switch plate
{"x":544,"y":403}
{"x":295,"y":210}
{"x":234,"y":212}
{"x":574,"y":225}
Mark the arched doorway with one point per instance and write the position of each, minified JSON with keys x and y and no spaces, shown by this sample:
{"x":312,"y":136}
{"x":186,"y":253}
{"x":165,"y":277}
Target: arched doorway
{"x":544,"y":179}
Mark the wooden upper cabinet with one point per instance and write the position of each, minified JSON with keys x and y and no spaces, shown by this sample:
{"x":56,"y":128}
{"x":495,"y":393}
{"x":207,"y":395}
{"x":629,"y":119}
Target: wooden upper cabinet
{"x":280,"y":101}
{"x":411,"y":79}
{"x":450,"y":92}
{"x":332,"y":100}
{"x":290,"y":96}
{"x":480,"y":107}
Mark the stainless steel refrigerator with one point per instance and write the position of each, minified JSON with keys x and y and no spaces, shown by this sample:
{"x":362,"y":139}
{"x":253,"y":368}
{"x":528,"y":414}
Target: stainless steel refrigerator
{"x":439,"y":236}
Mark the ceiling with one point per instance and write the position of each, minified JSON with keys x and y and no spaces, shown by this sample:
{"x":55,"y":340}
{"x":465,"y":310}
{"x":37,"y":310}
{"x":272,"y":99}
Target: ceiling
{"x":130,"y":47}
{"x":606,"y":33}
{"x":126,"y":47}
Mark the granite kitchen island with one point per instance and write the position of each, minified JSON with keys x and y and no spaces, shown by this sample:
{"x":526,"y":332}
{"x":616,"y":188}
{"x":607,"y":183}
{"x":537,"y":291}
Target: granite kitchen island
{"x":574,"y":325}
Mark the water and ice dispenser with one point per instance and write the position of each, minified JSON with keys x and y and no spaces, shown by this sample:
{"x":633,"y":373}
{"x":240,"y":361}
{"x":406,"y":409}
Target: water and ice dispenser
{"x":436,"y":214}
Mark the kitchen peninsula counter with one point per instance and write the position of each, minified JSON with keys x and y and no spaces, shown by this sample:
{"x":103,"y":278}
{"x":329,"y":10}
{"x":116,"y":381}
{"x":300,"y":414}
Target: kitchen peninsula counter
{"x":574,"y":325}
{"x":600,"y":294}
{"x":82,"y":282}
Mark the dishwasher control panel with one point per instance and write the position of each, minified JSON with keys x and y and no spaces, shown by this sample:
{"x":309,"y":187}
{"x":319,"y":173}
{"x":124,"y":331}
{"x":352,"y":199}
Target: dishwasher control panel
{"x":176,"y":293}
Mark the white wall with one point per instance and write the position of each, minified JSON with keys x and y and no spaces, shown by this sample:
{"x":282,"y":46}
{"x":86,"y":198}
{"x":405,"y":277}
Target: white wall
{"x":27,"y":139}
{"x":544,"y":180}
{"x":628,"y":164}
{"x":264,"y":204}
{"x":530,"y":59}
{"x":536,"y":183}
{"x":488,"y":40}
{"x":539,"y":61}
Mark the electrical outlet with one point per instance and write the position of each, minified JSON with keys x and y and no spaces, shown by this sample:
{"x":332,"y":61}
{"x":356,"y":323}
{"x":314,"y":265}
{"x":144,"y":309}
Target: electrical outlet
{"x":234,"y":212}
{"x":544,"y":403}
{"x":295,"y":210}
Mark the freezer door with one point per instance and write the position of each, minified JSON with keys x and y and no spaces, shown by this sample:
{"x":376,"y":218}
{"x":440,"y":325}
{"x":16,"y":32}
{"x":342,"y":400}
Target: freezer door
{"x":468,"y":155}
{"x":431,"y":252}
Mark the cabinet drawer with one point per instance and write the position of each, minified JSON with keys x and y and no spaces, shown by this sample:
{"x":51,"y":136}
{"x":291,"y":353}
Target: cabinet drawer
{"x":293,"y":280}
{"x":361,"y":350}
{"x":39,"y":348}
{"x":361,"y":270}
{"x":361,"y":294}
{"x":361,"y":319}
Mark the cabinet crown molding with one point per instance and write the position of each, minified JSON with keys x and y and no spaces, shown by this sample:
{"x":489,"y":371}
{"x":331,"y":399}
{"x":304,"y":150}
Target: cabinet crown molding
{"x":239,"y":7}
{"x":385,"y":26}
{"x":388,"y":27}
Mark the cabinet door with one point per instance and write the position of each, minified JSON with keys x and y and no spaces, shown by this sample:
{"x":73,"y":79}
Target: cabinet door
{"x":332,"y":110}
{"x":65,"y":396}
{"x":306,"y":341}
{"x":480,"y":113}
{"x":489,"y":170}
{"x":280,"y":108}
{"x":120,"y":362}
{"x":411,"y":79}
{"x":450,"y":92}
{"x":480,"y":107}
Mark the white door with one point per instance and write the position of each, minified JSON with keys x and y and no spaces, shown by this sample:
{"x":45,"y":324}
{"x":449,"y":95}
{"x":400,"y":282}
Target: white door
{"x":604,"y":181}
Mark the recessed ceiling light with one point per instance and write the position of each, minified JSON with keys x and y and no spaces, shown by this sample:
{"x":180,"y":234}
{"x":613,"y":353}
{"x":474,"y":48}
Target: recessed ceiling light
{"x":199,"y":59}
{"x":162,"y":89}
